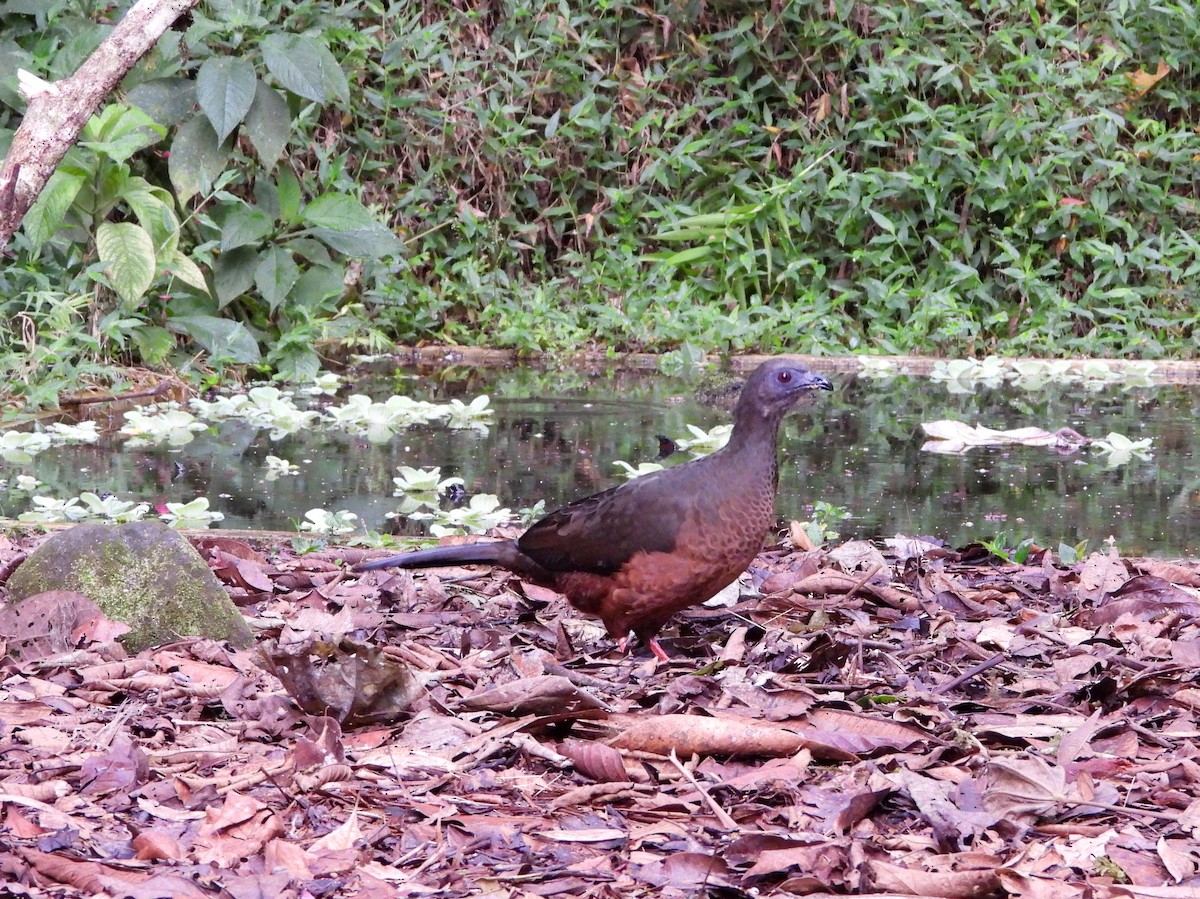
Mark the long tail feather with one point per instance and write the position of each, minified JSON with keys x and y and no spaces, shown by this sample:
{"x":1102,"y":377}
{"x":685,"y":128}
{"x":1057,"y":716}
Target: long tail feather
{"x":464,"y":554}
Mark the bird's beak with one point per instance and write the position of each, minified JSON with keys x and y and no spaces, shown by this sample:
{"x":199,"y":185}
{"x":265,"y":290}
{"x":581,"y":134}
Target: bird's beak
{"x":815,"y":381}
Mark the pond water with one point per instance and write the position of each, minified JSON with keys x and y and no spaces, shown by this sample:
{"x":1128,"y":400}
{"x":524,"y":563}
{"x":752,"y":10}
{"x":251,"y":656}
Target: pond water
{"x":556,"y":435}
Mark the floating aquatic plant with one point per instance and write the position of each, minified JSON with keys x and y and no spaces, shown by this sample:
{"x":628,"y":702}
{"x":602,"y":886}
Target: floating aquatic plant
{"x":83,"y":432}
{"x":644,"y":468}
{"x":20,"y":447}
{"x":48,"y":510}
{"x":482,"y":514}
{"x":1120,"y":449}
{"x":278,"y":468}
{"x":419,"y":488}
{"x":474,"y":415}
{"x":163,"y":423}
{"x":703,"y":442}
{"x":326,"y":383}
{"x":194,"y":514}
{"x":322,"y":521}
{"x":875,"y":367}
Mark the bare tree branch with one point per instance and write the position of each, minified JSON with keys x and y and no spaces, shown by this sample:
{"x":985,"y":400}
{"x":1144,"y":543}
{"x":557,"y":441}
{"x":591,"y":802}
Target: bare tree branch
{"x":58,"y":113}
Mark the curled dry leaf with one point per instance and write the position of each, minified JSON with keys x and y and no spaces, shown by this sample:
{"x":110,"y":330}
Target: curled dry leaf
{"x":858,"y":555}
{"x":601,"y":763}
{"x":545,"y":694}
{"x":353,"y":682}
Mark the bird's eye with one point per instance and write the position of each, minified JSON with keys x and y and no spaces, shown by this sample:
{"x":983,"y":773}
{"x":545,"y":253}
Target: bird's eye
{"x":784,"y":377}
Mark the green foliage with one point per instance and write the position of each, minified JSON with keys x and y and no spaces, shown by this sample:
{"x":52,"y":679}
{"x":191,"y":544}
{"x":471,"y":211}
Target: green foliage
{"x":826,"y":177}
{"x":221,"y":249}
{"x":1009,"y":549}
{"x":1069,"y":554}
{"x":820,"y":528}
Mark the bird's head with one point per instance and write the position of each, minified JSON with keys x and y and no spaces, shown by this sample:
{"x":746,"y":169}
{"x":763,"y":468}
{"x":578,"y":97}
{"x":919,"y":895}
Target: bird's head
{"x":776,"y":385}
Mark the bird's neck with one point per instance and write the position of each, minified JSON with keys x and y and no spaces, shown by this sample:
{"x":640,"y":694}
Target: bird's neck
{"x":753,"y":441}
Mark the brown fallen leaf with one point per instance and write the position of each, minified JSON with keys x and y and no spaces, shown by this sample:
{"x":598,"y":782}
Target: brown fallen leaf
{"x":1141,"y":81}
{"x":239,"y":826}
{"x":95,"y":879}
{"x":595,"y":760}
{"x":698,"y":735}
{"x":971,"y":884}
{"x":1099,"y":574}
{"x":1144,"y":597}
{"x":687,"y":871}
{"x":154,"y":844}
{"x":54,"y":622}
{"x":209,"y":545}
{"x":1183,"y":575}
{"x":1027,"y":788}
{"x":875,"y":733}
{"x":541,"y":695}
{"x":355,"y":683}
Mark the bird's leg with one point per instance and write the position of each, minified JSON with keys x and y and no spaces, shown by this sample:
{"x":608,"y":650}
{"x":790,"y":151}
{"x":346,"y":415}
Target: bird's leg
{"x":658,"y":651}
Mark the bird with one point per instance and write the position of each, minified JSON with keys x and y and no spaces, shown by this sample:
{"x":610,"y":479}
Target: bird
{"x":636,"y":554}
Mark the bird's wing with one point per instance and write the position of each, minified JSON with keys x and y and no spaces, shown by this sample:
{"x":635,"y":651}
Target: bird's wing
{"x":601,"y":532}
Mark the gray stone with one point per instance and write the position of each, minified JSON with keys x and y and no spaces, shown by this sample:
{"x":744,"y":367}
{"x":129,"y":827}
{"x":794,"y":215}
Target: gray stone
{"x":142,"y":574}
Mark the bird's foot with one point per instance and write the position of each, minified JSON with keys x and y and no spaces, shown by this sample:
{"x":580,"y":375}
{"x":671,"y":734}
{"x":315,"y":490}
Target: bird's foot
{"x":659,"y":652}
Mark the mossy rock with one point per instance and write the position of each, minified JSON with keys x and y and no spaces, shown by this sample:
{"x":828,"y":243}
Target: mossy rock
{"x":143,"y":574}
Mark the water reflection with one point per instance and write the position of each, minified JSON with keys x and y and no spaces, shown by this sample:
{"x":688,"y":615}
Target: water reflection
{"x":557,"y":435}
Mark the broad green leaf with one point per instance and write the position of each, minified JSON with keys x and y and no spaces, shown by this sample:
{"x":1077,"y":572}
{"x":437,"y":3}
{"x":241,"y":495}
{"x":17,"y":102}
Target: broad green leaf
{"x":197,"y":158}
{"x":882,"y":221}
{"x":225,"y":87}
{"x":297,"y":64}
{"x":155,"y":215}
{"x":275,"y":275}
{"x":297,"y":363}
{"x":289,"y":195}
{"x":153,"y":343}
{"x":316,"y":287}
{"x":243,"y":225}
{"x":344,"y":224}
{"x":46,"y":215}
{"x":233,"y":274}
{"x":128,"y":256}
{"x":223,"y":339}
{"x":167,"y":101}
{"x":235,"y":13}
{"x":332,"y":75}
{"x":181,"y":267}
{"x":268,"y":124}
{"x":118,"y":131}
